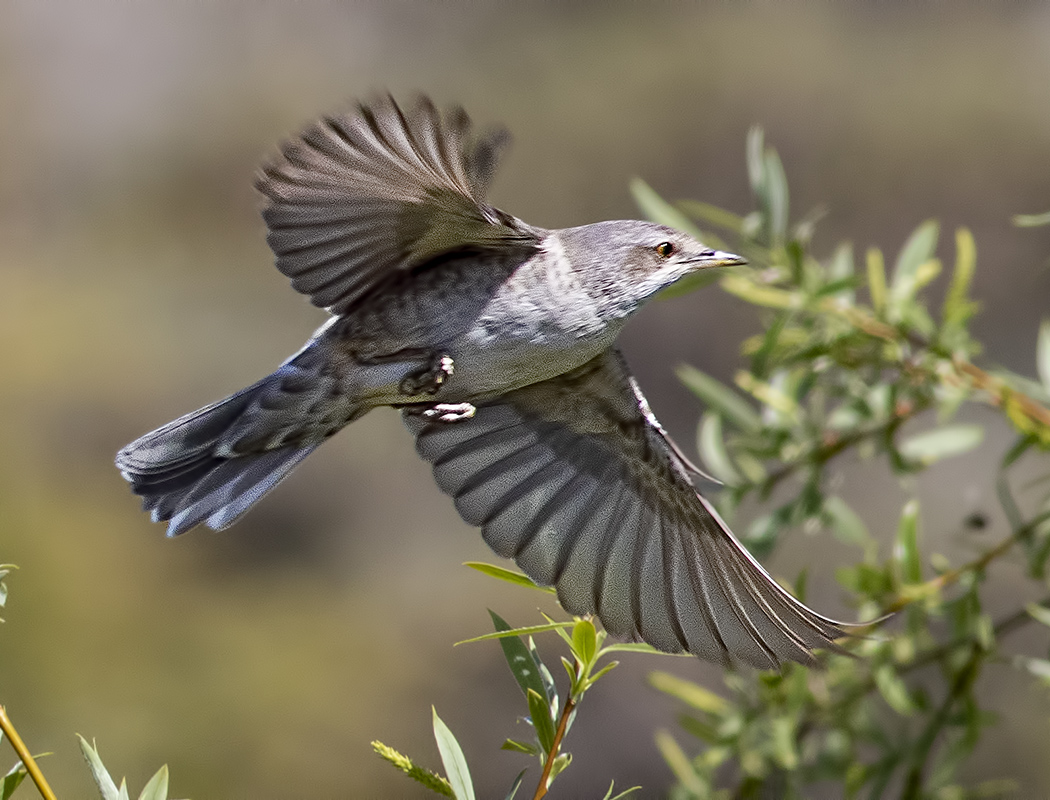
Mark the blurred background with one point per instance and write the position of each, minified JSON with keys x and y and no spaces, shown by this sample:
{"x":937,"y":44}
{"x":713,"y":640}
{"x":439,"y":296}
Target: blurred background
{"x":136,"y":285}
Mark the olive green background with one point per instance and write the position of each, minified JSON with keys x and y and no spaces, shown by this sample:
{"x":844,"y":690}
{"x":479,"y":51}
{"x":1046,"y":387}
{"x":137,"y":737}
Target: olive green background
{"x":136,"y":285}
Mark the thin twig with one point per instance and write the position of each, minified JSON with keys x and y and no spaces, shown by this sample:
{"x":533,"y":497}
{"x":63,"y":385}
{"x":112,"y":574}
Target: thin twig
{"x":559,"y":734}
{"x":24,"y":754}
{"x":924,"y":747}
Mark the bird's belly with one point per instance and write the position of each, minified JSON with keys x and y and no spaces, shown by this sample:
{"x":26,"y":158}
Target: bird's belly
{"x":489,"y":365}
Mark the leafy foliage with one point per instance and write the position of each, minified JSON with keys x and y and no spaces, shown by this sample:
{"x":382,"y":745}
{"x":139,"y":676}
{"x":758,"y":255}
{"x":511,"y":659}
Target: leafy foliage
{"x":831,"y":373}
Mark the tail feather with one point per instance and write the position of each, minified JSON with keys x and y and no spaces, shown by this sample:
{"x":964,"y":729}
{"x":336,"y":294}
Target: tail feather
{"x":214,"y":464}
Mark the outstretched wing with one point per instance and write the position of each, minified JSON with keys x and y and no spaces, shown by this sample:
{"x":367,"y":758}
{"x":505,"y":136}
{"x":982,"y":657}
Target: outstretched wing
{"x":361,"y":197}
{"x":575,"y":480}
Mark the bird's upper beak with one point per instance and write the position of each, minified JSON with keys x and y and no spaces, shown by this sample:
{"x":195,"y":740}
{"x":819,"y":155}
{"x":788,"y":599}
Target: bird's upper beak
{"x":715,"y":258}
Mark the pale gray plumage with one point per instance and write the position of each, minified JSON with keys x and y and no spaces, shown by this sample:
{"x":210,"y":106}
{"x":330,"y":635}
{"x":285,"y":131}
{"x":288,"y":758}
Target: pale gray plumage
{"x":496,"y":338}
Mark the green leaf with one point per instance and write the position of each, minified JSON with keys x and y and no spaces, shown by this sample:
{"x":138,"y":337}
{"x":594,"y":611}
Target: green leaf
{"x":1039,"y":613}
{"x":893,"y":690}
{"x":584,"y":640}
{"x":917,"y":250}
{"x":847,"y":526}
{"x":1039,"y":667}
{"x":431,"y":780}
{"x":841,"y":270}
{"x":720,"y":397}
{"x":876,"y":280}
{"x":1031,"y":220}
{"x":933,"y":445}
{"x":706,"y":212}
{"x":776,"y":196}
{"x":452,"y":757}
{"x":713,"y":450}
{"x":561,"y":763}
{"x":515,"y":786}
{"x":622,"y":795}
{"x":520,"y":747}
{"x":527,"y":630}
{"x":906,"y":550}
{"x":12,"y":780}
{"x":657,"y":209}
{"x":957,"y":306}
{"x":1042,"y":351}
{"x":680,"y":765}
{"x":690,"y":693}
{"x":106,"y":787}
{"x":545,"y":676}
{"x":157,"y":788}
{"x":520,"y":661}
{"x":638,"y":647}
{"x":540,"y":713}
{"x":508,"y":575}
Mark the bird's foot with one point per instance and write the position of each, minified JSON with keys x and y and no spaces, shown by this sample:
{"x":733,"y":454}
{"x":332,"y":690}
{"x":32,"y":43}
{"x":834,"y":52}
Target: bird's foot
{"x":446,"y":412}
{"x":428,"y":379}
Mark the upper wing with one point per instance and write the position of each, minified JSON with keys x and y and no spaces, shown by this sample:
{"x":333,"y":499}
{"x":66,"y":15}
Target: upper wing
{"x":575,"y":480}
{"x":360,"y":197}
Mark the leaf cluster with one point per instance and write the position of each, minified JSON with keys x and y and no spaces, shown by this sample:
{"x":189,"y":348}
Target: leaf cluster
{"x":850,"y":353}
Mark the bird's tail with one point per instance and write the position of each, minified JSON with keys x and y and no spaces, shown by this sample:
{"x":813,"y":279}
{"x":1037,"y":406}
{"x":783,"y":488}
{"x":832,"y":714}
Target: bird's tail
{"x":212,"y":465}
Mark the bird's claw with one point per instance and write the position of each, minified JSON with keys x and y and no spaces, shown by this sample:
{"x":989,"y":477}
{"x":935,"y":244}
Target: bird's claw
{"x":428,"y":379}
{"x":448,"y":412}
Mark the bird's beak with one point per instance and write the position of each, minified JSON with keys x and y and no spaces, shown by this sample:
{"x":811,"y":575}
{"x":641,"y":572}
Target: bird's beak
{"x":716,"y":258}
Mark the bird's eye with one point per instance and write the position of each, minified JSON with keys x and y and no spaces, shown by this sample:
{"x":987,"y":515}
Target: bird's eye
{"x":665,"y":249}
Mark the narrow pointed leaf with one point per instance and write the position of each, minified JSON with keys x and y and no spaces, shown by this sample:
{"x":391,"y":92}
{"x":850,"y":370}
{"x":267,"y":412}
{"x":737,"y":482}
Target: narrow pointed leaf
{"x":957,"y":305}
{"x":721,"y":398}
{"x":847,"y":526}
{"x":776,"y":196}
{"x":106,"y":787}
{"x":157,"y":788}
{"x":917,"y":250}
{"x":1039,"y":613}
{"x":527,"y":630}
{"x":950,"y":440}
{"x":876,"y":280}
{"x":692,"y":694}
{"x":520,"y":747}
{"x":893,"y":690}
{"x":712,"y":446}
{"x":519,"y":659}
{"x":584,"y":640}
{"x":907,"y":547}
{"x":546,"y":677}
{"x":1043,"y":353}
{"x":508,"y":575}
{"x":12,"y":780}
{"x":1031,"y":220}
{"x":540,"y":713}
{"x":515,"y":786}
{"x":659,"y":210}
{"x":452,"y":758}
{"x":712,"y":214}
{"x":680,"y":765}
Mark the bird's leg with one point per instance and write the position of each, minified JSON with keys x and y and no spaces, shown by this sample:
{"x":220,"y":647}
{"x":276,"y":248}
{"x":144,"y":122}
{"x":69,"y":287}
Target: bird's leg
{"x":435,"y":368}
{"x":429,"y":378}
{"x":443,"y":412}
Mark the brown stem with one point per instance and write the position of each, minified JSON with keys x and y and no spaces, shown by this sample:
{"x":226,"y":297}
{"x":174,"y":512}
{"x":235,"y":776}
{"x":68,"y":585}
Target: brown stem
{"x":559,"y":734}
{"x":23,"y":753}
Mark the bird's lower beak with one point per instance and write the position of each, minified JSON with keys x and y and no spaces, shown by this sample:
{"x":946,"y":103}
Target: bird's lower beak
{"x":717,"y":258}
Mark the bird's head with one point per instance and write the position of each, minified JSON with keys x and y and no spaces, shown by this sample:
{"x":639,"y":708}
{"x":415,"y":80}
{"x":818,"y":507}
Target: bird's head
{"x":622,"y":263}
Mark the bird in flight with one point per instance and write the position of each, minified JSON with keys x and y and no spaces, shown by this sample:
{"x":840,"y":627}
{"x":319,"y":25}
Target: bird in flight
{"x":496,"y":340}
